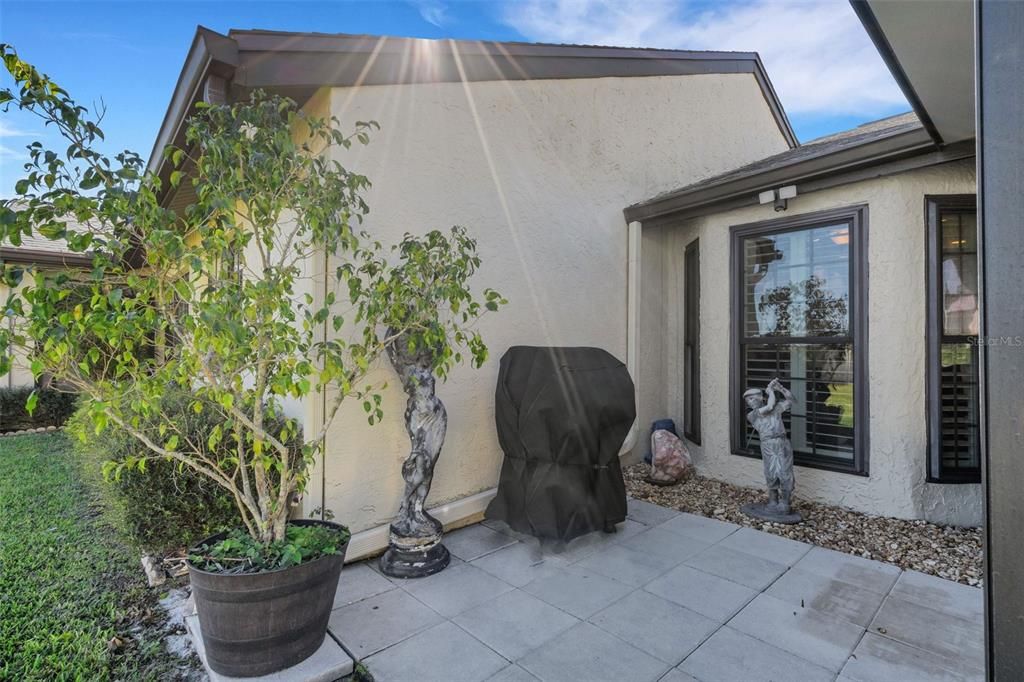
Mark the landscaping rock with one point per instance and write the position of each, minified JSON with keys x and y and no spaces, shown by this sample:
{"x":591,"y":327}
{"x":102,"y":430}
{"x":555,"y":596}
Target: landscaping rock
{"x":670,"y":460}
{"x":946,"y":551}
{"x":154,"y":571}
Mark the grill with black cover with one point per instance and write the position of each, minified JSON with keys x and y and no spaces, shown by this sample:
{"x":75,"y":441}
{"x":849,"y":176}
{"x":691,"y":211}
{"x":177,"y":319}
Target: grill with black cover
{"x":562,"y":416}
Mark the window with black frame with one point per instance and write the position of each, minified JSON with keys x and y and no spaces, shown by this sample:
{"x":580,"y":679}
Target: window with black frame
{"x":954,"y":446}
{"x":691,"y":342}
{"x":799,"y":291}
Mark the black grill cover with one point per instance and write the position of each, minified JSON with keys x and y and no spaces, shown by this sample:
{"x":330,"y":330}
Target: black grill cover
{"x":562,"y":416}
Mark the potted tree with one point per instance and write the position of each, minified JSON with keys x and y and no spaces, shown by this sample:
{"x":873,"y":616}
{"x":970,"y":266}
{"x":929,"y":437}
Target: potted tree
{"x":424,"y":303}
{"x":214,"y":300}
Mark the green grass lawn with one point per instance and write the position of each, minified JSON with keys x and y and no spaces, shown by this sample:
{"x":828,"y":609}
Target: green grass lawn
{"x":73,"y":600}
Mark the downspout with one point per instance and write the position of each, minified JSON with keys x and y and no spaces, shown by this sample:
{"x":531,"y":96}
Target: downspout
{"x":632,"y":317}
{"x":323,"y":412}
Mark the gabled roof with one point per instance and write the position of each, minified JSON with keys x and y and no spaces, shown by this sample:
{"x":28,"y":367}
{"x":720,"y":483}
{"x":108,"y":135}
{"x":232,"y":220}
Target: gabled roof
{"x":297,"y":64}
{"x":897,"y":143}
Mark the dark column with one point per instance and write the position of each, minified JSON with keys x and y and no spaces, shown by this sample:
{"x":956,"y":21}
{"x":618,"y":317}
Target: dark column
{"x":1000,"y":44}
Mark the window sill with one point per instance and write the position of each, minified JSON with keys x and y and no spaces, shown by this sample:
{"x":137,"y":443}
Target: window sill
{"x":821,"y":464}
{"x":950,"y":480}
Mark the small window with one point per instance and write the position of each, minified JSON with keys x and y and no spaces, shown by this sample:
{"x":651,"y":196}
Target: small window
{"x":799,"y":303}
{"x":691,"y":342}
{"x":954,"y":438}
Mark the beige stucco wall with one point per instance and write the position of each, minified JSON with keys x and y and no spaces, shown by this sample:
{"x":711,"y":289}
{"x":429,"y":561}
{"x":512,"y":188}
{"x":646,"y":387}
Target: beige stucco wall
{"x":21,"y":373}
{"x":896,"y":337}
{"x":539,"y":172}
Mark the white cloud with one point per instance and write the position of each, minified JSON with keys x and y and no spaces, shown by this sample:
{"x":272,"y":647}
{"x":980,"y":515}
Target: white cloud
{"x":817,"y":54}
{"x":7,"y":130}
{"x":432,"y":11}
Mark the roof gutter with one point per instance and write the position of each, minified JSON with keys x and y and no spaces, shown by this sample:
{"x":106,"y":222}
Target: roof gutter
{"x":877,"y":35}
{"x":897,"y":153}
{"x":43,"y":257}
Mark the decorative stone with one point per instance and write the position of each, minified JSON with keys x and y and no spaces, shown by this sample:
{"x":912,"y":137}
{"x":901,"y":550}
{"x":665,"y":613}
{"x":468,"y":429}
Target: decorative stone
{"x":414,"y":543}
{"x":670,"y":460}
{"x":776,"y":453}
{"x":154,"y":573}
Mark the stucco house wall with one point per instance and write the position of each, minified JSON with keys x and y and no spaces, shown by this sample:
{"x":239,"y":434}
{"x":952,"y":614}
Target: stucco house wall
{"x":538,"y":171}
{"x":20,"y":374}
{"x":35,"y":254}
{"x":896,"y":337}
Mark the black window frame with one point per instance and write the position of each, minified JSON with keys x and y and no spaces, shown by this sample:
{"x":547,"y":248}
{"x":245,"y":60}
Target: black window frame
{"x":856,"y":217}
{"x":934,"y":206}
{"x":691,"y":342}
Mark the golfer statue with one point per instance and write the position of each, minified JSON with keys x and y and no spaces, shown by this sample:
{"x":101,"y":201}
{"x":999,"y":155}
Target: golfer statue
{"x":776,"y":452}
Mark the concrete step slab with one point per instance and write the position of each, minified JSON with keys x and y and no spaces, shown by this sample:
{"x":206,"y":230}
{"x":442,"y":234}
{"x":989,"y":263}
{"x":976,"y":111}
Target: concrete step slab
{"x":327,"y":663}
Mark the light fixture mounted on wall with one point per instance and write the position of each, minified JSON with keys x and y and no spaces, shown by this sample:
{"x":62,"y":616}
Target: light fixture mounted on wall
{"x":779,"y":197}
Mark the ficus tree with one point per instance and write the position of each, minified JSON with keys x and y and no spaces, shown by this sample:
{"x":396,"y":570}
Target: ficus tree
{"x":217,"y":299}
{"x":425,"y":306}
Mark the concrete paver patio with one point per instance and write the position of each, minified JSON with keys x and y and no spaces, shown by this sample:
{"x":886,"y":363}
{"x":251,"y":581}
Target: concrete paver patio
{"x":672,"y":597}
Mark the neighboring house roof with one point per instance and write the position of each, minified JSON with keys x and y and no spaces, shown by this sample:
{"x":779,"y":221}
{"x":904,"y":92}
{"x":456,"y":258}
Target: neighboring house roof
{"x":890,"y":145}
{"x":42,"y":251}
{"x":219,"y":68}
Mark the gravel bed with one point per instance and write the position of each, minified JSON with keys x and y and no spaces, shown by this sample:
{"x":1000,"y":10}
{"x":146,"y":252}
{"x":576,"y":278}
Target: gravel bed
{"x":946,"y":551}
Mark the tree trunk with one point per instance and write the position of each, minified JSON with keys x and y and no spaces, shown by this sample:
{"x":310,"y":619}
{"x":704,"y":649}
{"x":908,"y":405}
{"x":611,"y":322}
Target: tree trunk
{"x":415,"y":547}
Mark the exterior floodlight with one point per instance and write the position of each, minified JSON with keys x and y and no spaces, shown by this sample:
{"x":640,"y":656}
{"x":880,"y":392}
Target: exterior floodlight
{"x":778,"y":197}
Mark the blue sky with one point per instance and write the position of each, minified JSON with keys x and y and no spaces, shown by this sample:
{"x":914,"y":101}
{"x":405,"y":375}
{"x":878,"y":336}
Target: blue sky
{"x":128,"y":54}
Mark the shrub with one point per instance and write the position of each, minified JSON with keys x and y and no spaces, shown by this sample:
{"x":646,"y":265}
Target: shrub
{"x":52,"y":408}
{"x":167,"y":507}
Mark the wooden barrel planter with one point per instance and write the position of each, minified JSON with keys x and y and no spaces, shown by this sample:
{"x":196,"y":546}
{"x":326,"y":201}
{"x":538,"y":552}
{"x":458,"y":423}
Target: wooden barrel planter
{"x":258,"y":623}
